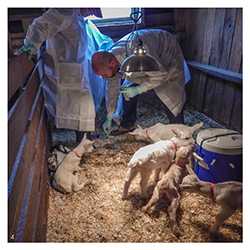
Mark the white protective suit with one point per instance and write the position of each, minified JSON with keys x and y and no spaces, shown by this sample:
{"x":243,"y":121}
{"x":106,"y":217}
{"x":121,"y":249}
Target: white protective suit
{"x":169,"y":82}
{"x":72,"y":92}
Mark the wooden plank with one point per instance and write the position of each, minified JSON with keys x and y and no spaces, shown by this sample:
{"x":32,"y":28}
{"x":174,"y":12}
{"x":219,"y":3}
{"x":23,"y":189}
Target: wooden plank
{"x":235,"y":64}
{"x":193,"y":30}
{"x":195,"y":42}
{"x":205,"y":17}
{"x":29,"y":226}
{"x":185,"y":42}
{"x":190,"y":31}
{"x":39,"y":235}
{"x":179,"y":19}
{"x":150,"y":11}
{"x":16,"y":14}
{"x":236,"y":50}
{"x":226,"y":100}
{"x":214,"y":85}
{"x":207,"y":45}
{"x":18,"y":118}
{"x":20,"y":35}
{"x":236,"y":119}
{"x":180,"y":26}
{"x":19,"y":176}
{"x":217,"y":72}
{"x":159,"y":19}
{"x":19,"y":69}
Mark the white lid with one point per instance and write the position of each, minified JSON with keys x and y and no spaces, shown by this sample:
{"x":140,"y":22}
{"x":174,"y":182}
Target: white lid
{"x":227,"y":144}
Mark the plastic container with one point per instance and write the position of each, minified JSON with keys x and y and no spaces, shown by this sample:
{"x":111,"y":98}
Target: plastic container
{"x":222,"y":151}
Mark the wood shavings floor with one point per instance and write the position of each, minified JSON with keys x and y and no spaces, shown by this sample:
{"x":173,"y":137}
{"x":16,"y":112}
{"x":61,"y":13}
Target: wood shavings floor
{"x":97,"y":213}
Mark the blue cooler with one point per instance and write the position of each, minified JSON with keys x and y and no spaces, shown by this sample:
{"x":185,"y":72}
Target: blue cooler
{"x":221,"y":149}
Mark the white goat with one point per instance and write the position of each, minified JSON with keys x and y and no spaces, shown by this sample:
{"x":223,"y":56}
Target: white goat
{"x":162,"y":131}
{"x":65,"y":178}
{"x":158,"y":156}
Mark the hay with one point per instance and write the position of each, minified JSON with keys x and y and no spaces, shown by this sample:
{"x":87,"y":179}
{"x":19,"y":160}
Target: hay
{"x":97,"y":213}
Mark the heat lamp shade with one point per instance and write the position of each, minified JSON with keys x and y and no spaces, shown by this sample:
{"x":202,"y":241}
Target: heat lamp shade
{"x":139,"y":63}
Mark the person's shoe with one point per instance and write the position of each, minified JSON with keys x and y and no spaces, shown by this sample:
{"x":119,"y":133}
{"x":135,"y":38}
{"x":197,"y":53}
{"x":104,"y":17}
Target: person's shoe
{"x":121,"y":130}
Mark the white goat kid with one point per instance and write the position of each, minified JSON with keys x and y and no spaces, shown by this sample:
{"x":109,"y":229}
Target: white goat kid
{"x":65,"y":178}
{"x":162,"y":131}
{"x":226,"y":194}
{"x":154,"y":157}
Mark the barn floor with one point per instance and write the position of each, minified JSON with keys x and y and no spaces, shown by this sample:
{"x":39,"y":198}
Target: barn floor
{"x":98,"y":214}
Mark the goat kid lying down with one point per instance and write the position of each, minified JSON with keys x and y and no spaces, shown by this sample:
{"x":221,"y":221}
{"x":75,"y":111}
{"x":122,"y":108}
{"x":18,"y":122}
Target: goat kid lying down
{"x":228,"y":195}
{"x":154,"y":157}
{"x":168,"y":186}
{"x":162,"y":131}
{"x":65,"y":178}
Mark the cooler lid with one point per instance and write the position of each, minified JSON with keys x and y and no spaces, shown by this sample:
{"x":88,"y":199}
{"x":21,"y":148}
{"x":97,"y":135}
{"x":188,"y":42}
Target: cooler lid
{"x":222,"y":141}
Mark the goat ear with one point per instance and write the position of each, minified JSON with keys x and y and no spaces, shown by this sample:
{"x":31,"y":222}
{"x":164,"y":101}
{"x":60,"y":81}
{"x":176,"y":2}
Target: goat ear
{"x":138,"y":126}
{"x":177,"y":132}
{"x":131,"y":133}
{"x":197,"y":126}
{"x":84,"y":138}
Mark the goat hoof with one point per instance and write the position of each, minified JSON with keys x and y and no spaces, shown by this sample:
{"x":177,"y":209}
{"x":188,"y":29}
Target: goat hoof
{"x":124,"y":197}
{"x":176,"y":231}
{"x":213,"y":232}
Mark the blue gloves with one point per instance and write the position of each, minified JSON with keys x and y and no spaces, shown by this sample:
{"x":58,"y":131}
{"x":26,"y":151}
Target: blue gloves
{"x":107,"y":125}
{"x":28,"y":48}
{"x":130,"y":92}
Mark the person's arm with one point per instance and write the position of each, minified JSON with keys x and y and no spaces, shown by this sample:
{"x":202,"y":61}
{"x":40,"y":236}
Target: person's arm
{"x":151,"y":79}
{"x":146,"y":82}
{"x":112,"y":93}
{"x":47,"y":25}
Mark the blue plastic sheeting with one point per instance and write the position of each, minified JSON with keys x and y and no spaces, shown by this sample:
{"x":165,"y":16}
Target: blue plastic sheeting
{"x":96,"y":41}
{"x":187,"y":74}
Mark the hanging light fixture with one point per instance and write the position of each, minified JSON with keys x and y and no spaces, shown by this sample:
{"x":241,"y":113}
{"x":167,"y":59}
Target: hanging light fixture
{"x":139,"y":61}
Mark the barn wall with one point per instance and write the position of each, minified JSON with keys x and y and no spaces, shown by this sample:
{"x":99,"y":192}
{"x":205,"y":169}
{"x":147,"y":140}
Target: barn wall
{"x":27,"y":154}
{"x":214,"y":37}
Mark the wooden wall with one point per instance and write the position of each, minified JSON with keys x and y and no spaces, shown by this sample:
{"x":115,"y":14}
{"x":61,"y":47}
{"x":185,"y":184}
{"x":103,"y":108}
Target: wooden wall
{"x":214,"y":37}
{"x":27,"y":154}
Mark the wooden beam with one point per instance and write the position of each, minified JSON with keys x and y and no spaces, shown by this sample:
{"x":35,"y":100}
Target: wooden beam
{"x":217,"y":72}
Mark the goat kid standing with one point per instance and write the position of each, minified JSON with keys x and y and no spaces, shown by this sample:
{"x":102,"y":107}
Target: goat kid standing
{"x":168,"y":186}
{"x":154,"y":157}
{"x":228,"y":195}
